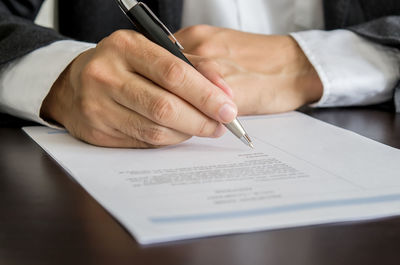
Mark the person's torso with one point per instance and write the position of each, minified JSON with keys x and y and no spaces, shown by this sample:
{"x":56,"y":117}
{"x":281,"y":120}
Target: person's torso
{"x":92,"y":20}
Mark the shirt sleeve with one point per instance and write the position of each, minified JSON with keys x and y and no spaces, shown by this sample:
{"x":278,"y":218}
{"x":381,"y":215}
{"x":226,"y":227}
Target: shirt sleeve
{"x":352,"y":69}
{"x":25,"y":82}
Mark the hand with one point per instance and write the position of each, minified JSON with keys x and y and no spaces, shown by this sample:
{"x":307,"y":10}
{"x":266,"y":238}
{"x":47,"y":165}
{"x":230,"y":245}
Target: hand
{"x":129,"y":92}
{"x":267,"y":74}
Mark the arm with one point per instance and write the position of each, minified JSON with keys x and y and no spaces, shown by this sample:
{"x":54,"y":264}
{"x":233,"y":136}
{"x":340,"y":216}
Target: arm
{"x":32,"y":55}
{"x":19,"y":35}
{"x":25,"y":81}
{"x":274,"y":74}
{"x":125,"y":92}
{"x":359,"y":65}
{"x":354,"y":71}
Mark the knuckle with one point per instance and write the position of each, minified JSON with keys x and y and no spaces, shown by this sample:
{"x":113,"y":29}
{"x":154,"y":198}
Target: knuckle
{"x":133,"y":93}
{"x":203,"y":49}
{"x":93,"y":71}
{"x":198,"y":30}
{"x":174,"y":74}
{"x":154,"y":135}
{"x":205,"y":98}
{"x":120,"y":38}
{"x":131,"y":126}
{"x":204,"y":128}
{"x":96,"y":72}
{"x":142,"y":134}
{"x":164,"y":110}
{"x":207,"y":63}
{"x":124,"y":40}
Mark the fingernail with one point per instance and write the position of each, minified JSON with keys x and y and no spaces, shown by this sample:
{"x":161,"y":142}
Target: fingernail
{"x":227,"y":113}
{"x":219,"y":131}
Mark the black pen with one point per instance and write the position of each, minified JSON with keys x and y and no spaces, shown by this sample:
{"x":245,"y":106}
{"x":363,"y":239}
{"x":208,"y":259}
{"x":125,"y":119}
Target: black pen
{"x":147,"y":23}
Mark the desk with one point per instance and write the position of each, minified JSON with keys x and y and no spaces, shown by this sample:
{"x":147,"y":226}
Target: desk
{"x":46,"y":218}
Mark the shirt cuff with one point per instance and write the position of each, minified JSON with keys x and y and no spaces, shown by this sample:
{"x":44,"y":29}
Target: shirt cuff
{"x":25,"y":82}
{"x":353,"y":70}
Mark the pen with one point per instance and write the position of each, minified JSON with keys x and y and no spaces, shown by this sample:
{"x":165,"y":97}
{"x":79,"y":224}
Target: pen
{"x":147,"y":23}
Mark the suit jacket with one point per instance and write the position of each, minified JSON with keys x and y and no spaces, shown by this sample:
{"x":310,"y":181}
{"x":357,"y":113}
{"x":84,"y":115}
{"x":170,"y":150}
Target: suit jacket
{"x":92,"y":20}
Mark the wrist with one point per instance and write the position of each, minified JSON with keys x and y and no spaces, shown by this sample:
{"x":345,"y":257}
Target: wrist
{"x":59,"y":101}
{"x":308,"y":82}
{"x":310,"y":86}
{"x":54,"y":105}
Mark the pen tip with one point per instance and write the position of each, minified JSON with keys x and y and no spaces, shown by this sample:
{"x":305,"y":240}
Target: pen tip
{"x":246,"y":139}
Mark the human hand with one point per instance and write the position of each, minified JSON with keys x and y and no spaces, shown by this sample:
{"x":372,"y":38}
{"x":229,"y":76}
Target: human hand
{"x":267,"y":73}
{"x":129,"y":92}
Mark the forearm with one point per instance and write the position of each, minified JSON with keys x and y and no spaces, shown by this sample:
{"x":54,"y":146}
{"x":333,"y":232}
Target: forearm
{"x":29,"y":61}
{"x":21,"y":36}
{"x":25,"y":82}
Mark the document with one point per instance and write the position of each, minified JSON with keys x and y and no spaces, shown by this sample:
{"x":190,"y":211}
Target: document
{"x":302,"y":172}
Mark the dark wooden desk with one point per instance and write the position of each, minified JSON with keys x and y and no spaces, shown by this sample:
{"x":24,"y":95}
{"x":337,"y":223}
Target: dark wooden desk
{"x":46,"y":218}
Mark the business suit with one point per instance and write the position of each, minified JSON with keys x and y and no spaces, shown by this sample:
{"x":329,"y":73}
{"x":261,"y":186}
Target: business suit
{"x":91,"y":20}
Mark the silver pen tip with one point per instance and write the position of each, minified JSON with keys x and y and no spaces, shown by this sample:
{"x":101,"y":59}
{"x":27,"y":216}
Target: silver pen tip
{"x":251,"y":145}
{"x":246,"y":139}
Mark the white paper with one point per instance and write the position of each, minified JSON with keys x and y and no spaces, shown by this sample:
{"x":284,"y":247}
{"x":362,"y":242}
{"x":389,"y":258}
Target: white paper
{"x":302,"y":171}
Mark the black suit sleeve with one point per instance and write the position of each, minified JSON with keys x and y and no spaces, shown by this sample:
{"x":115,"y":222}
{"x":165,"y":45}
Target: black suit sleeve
{"x":18,"y":34}
{"x":385,"y":31}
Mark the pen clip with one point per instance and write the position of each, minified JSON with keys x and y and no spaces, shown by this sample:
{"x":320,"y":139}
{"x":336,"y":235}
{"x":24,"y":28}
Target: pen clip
{"x":159,"y":22}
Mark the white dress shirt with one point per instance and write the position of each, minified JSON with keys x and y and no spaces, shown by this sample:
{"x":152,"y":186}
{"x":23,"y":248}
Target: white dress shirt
{"x":353,"y":71}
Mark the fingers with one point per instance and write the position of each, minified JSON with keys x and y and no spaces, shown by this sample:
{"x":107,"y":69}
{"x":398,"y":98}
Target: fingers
{"x":135,"y":125}
{"x":117,"y":126}
{"x":165,"y":109}
{"x":100,"y":138}
{"x":187,"y":83}
{"x":113,"y":125}
{"x":95,"y":131}
{"x":176,"y":76}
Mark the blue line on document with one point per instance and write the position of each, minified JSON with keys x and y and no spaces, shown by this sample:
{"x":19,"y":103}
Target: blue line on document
{"x":57,"y":132}
{"x":275,"y":209}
